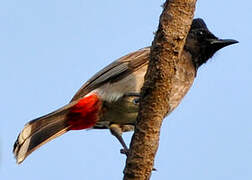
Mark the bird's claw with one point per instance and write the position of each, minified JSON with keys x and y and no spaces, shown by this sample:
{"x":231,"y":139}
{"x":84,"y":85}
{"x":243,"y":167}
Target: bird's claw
{"x":124,"y":151}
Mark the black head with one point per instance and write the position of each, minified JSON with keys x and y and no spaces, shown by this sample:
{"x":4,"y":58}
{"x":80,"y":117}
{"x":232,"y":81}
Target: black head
{"x":202,"y":44}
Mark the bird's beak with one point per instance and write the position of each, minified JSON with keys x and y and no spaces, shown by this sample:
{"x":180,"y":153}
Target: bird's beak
{"x":220,"y":43}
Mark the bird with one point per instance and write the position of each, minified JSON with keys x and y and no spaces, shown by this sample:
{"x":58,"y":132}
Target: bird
{"x":110,"y":99}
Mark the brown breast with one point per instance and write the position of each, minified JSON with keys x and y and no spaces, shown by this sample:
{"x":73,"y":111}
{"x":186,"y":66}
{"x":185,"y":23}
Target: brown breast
{"x":124,"y":111}
{"x":183,"y":80}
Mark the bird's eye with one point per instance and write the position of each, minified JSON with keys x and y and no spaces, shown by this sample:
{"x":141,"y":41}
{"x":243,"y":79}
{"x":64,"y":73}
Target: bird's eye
{"x":200,"y":33}
{"x":136,"y":101}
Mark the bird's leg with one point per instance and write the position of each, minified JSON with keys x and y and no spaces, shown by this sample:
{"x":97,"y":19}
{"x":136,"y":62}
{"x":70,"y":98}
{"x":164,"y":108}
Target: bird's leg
{"x":116,"y":130}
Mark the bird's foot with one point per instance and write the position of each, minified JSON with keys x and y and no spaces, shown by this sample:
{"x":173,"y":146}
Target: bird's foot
{"x":125,"y":151}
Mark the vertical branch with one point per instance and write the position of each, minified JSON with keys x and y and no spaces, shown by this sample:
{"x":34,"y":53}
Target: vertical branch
{"x":167,"y":46}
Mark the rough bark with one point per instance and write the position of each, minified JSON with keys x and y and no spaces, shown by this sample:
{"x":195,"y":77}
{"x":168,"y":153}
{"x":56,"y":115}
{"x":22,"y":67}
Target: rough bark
{"x":167,"y":46}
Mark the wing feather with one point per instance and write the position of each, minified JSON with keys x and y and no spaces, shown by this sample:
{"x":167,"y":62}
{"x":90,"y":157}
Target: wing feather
{"x":115,"y":71}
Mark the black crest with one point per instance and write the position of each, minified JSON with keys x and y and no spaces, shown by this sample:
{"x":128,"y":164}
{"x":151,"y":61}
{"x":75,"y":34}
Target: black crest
{"x":198,"y":23}
{"x":202,"y":44}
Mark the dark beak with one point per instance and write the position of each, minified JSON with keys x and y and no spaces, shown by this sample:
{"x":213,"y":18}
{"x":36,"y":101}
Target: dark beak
{"x":220,"y":43}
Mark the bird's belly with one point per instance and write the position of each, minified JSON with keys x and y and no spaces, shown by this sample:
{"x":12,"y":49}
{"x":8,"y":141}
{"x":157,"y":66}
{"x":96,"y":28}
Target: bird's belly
{"x":123,"y":111}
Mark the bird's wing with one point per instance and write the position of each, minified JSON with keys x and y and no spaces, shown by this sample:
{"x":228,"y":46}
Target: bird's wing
{"x":115,"y":71}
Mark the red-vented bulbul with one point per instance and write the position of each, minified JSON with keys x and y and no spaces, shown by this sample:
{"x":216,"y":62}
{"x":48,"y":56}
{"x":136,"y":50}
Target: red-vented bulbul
{"x":110,"y":98}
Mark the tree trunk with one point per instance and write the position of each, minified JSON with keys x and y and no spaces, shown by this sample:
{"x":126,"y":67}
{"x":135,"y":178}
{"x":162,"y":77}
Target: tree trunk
{"x":167,"y":46}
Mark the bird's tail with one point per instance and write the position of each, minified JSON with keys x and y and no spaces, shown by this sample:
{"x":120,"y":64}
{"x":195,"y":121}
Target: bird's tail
{"x":80,"y":114}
